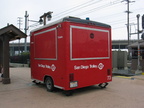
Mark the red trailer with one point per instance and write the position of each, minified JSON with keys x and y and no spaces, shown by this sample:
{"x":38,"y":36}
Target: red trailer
{"x":71,"y":53}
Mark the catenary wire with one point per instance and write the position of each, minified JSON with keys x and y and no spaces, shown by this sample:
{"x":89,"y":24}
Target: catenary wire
{"x":76,"y":8}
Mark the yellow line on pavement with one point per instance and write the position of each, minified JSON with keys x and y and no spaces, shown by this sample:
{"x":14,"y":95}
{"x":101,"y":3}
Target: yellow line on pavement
{"x":124,"y":77}
{"x":133,"y":77}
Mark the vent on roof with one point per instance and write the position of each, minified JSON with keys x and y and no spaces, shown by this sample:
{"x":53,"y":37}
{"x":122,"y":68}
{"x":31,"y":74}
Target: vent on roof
{"x":72,"y":17}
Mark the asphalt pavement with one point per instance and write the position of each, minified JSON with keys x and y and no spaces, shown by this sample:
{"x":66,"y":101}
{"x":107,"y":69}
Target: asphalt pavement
{"x":122,"y":92}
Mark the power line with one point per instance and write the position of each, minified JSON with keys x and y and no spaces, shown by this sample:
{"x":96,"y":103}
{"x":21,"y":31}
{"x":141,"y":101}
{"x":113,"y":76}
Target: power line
{"x":121,"y":20}
{"x":86,"y":4}
{"x":117,"y":14}
{"x":99,"y":8}
{"x":109,"y":16}
{"x":89,"y":11}
{"x":73,"y":7}
{"x":119,"y":27}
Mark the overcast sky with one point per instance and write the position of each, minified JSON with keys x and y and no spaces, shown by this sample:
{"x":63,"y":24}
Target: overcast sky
{"x":111,"y":12}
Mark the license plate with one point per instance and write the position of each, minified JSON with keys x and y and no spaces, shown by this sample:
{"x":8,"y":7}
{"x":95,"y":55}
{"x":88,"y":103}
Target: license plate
{"x":73,"y":84}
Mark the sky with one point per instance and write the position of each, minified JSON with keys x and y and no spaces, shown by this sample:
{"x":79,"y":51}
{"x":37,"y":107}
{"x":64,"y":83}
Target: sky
{"x":111,"y":12}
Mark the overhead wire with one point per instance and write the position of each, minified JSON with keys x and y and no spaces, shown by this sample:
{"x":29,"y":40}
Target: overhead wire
{"x":73,"y":8}
{"x":84,"y":5}
{"x":109,"y":16}
{"x":117,"y":14}
{"x":119,"y":27}
{"x":99,"y":8}
{"x":89,"y":3}
{"x":121,"y":20}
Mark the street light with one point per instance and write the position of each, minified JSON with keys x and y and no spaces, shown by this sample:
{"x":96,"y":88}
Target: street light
{"x":40,"y":21}
{"x":44,"y":16}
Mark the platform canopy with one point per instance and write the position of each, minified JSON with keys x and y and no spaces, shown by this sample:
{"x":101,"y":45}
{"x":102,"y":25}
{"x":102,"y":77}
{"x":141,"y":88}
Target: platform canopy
{"x":12,"y":32}
{"x":135,"y":45}
{"x":7,"y":34}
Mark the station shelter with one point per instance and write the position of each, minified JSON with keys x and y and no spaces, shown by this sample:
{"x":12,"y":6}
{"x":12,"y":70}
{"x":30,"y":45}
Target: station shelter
{"x":7,"y":34}
{"x":133,"y":48}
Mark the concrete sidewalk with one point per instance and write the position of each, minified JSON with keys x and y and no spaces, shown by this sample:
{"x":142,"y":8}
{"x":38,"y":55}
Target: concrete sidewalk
{"x":122,"y":92}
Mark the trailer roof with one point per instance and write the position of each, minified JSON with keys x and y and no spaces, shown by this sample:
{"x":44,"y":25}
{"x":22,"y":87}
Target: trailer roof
{"x":76,"y":20}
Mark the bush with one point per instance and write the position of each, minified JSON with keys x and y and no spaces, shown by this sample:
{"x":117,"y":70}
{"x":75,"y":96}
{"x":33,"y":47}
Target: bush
{"x":22,"y":58}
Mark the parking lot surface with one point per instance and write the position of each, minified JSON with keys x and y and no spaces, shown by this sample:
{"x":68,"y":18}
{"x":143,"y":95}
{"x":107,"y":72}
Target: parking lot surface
{"x":122,"y":92}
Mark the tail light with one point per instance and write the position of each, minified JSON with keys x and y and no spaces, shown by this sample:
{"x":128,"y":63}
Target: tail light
{"x":72,"y":82}
{"x":71,"y":76}
{"x":108,"y":72}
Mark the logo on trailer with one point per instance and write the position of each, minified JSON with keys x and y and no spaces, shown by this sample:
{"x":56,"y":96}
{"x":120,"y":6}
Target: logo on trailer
{"x":100,"y":66}
{"x":53,"y":67}
{"x":108,"y":77}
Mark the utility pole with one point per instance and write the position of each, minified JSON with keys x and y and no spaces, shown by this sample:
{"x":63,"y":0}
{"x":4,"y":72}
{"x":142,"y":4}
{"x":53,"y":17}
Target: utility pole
{"x":128,"y":12}
{"x":19,"y":23}
{"x":138,"y":47}
{"x":142,"y":27}
{"x":48,"y":15}
{"x":26,"y":28}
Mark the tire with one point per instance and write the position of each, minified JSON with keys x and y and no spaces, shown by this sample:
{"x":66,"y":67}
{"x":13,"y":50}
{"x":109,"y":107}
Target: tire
{"x":103,"y":85}
{"x":49,"y":84}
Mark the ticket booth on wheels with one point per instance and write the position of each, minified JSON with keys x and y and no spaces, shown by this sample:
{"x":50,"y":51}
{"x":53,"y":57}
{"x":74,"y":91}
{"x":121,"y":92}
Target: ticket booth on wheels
{"x":71,"y":53}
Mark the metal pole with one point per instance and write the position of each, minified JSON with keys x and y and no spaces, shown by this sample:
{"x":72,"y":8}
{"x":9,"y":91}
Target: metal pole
{"x":1,"y":54}
{"x":128,"y":19}
{"x":44,"y":19}
{"x":138,"y":66}
{"x":26,"y":20}
{"x":128,"y":12}
{"x":19,"y":22}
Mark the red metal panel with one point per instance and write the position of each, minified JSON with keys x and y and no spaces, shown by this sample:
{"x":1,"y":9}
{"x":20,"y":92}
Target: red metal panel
{"x":89,"y":43}
{"x":89,"y":58}
{"x":46,"y":44}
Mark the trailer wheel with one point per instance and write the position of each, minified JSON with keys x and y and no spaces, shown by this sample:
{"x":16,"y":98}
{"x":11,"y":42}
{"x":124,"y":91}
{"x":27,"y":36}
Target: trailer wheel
{"x":103,"y":85}
{"x":49,"y":84}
